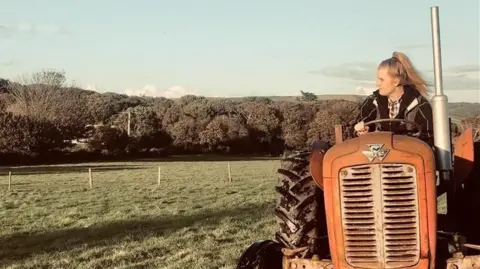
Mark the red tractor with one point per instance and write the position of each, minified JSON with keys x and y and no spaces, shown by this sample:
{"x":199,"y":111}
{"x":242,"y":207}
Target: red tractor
{"x":370,"y":202}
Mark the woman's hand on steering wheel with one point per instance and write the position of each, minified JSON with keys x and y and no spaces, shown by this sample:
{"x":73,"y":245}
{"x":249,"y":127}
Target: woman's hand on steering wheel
{"x":361,"y":128}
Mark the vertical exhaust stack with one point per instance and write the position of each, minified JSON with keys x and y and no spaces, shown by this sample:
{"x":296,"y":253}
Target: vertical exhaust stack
{"x":441,"y":126}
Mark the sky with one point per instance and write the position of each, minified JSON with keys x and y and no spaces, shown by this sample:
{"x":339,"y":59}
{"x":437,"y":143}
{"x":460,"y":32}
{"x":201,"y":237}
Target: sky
{"x":237,"y":48}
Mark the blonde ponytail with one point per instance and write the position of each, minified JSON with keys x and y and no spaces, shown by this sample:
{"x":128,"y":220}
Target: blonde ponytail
{"x":400,"y":66}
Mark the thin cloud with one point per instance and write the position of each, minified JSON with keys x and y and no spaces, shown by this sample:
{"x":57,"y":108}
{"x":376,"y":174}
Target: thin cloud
{"x":9,"y":30}
{"x":462,"y":77}
{"x":460,"y":69}
{"x":5,"y":31}
{"x":151,"y":90}
{"x":467,"y":68}
{"x":454,"y":82}
{"x":360,"y":71}
{"x":62,"y":31}
{"x":7,"y":63}
{"x":91,"y":87}
{"x":20,"y":28}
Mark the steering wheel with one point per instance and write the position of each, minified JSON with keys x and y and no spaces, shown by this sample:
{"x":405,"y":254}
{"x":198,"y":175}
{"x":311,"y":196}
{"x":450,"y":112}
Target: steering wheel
{"x":418,"y":126}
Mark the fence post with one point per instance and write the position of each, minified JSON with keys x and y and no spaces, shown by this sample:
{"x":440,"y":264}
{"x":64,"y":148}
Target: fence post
{"x":159,"y":175}
{"x":229,"y":173}
{"x":90,"y":181}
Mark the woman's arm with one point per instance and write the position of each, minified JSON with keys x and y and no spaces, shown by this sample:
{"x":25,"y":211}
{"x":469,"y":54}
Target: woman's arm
{"x":424,"y":117}
{"x":368,"y":112}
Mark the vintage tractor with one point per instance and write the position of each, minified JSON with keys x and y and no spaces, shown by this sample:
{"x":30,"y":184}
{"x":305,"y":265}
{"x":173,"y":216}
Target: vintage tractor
{"x":370,"y":202}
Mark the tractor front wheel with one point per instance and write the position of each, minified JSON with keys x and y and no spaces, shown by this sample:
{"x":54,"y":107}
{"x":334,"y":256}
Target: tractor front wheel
{"x":300,"y":211}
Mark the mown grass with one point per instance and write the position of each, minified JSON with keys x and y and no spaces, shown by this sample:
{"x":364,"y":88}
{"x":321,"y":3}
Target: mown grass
{"x":194,"y":219}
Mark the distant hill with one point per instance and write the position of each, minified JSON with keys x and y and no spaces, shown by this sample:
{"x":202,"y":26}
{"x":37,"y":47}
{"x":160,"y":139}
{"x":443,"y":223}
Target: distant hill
{"x":348,"y":97}
{"x":457,"y":110}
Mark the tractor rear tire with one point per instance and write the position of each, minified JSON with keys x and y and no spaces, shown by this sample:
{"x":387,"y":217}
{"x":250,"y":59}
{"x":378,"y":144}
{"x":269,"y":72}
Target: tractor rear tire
{"x":300,"y":212}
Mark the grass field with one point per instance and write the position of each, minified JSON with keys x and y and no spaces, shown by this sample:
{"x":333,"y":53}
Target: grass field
{"x":194,"y":219}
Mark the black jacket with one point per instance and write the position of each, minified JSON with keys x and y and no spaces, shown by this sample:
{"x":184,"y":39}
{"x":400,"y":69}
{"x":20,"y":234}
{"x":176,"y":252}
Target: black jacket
{"x":413,"y":107}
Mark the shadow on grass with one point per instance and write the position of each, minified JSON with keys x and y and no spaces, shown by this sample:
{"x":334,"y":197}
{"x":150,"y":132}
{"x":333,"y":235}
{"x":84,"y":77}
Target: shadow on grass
{"x":20,"y":246}
{"x":39,"y":170}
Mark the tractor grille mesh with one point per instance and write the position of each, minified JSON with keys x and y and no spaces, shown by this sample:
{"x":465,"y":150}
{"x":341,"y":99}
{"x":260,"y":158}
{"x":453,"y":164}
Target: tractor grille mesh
{"x":379,"y":215}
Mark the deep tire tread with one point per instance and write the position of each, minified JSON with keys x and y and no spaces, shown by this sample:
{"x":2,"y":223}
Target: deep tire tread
{"x":300,"y":208}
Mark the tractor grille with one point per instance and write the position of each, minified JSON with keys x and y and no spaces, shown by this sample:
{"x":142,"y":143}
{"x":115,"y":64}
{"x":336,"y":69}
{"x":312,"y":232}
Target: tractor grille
{"x":380,"y":215}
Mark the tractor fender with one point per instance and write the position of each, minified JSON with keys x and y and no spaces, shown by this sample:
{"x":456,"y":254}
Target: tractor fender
{"x":319,"y":148}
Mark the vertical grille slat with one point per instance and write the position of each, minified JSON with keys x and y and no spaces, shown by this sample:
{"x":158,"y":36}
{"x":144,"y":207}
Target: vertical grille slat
{"x":379,"y":206}
{"x":401,"y":231}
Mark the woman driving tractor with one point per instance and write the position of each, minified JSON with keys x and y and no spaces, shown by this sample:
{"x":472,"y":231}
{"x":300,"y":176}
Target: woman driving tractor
{"x":401,"y":95}
{"x":400,"y":106}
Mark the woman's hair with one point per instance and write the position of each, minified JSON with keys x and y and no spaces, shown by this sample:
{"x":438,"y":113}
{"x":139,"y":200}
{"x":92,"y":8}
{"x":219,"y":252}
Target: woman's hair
{"x":400,"y":66}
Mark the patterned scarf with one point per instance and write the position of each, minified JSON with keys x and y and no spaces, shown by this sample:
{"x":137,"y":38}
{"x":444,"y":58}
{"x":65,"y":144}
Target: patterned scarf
{"x":394,"y":107}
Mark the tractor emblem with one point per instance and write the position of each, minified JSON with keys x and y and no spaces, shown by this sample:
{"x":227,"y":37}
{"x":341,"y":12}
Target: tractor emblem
{"x":376,"y":151}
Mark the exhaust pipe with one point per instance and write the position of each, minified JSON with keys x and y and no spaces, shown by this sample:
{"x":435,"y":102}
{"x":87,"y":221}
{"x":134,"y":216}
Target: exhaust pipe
{"x":441,"y":126}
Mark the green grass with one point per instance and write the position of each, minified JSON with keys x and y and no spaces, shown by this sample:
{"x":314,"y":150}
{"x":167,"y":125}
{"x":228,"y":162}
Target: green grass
{"x":194,"y":219}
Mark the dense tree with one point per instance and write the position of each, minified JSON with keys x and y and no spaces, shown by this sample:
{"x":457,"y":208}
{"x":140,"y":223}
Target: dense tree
{"x":4,"y":85}
{"x":37,"y":95}
{"x":296,"y":119}
{"x":24,"y":136}
{"x":307,"y":96}
{"x":42,"y":115}
{"x":225,"y":134}
{"x":109,"y":140}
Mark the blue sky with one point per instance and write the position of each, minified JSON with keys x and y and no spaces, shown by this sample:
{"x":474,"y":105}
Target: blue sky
{"x":236,"y":48}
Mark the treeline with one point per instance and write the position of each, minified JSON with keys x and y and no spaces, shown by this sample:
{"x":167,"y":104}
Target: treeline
{"x":43,"y":121}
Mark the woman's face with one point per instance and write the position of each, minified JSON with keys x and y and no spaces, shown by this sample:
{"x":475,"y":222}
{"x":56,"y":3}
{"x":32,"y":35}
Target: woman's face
{"x":386,"y":83}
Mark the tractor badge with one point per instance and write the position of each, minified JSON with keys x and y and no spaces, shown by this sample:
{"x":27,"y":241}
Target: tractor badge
{"x":376,"y":151}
